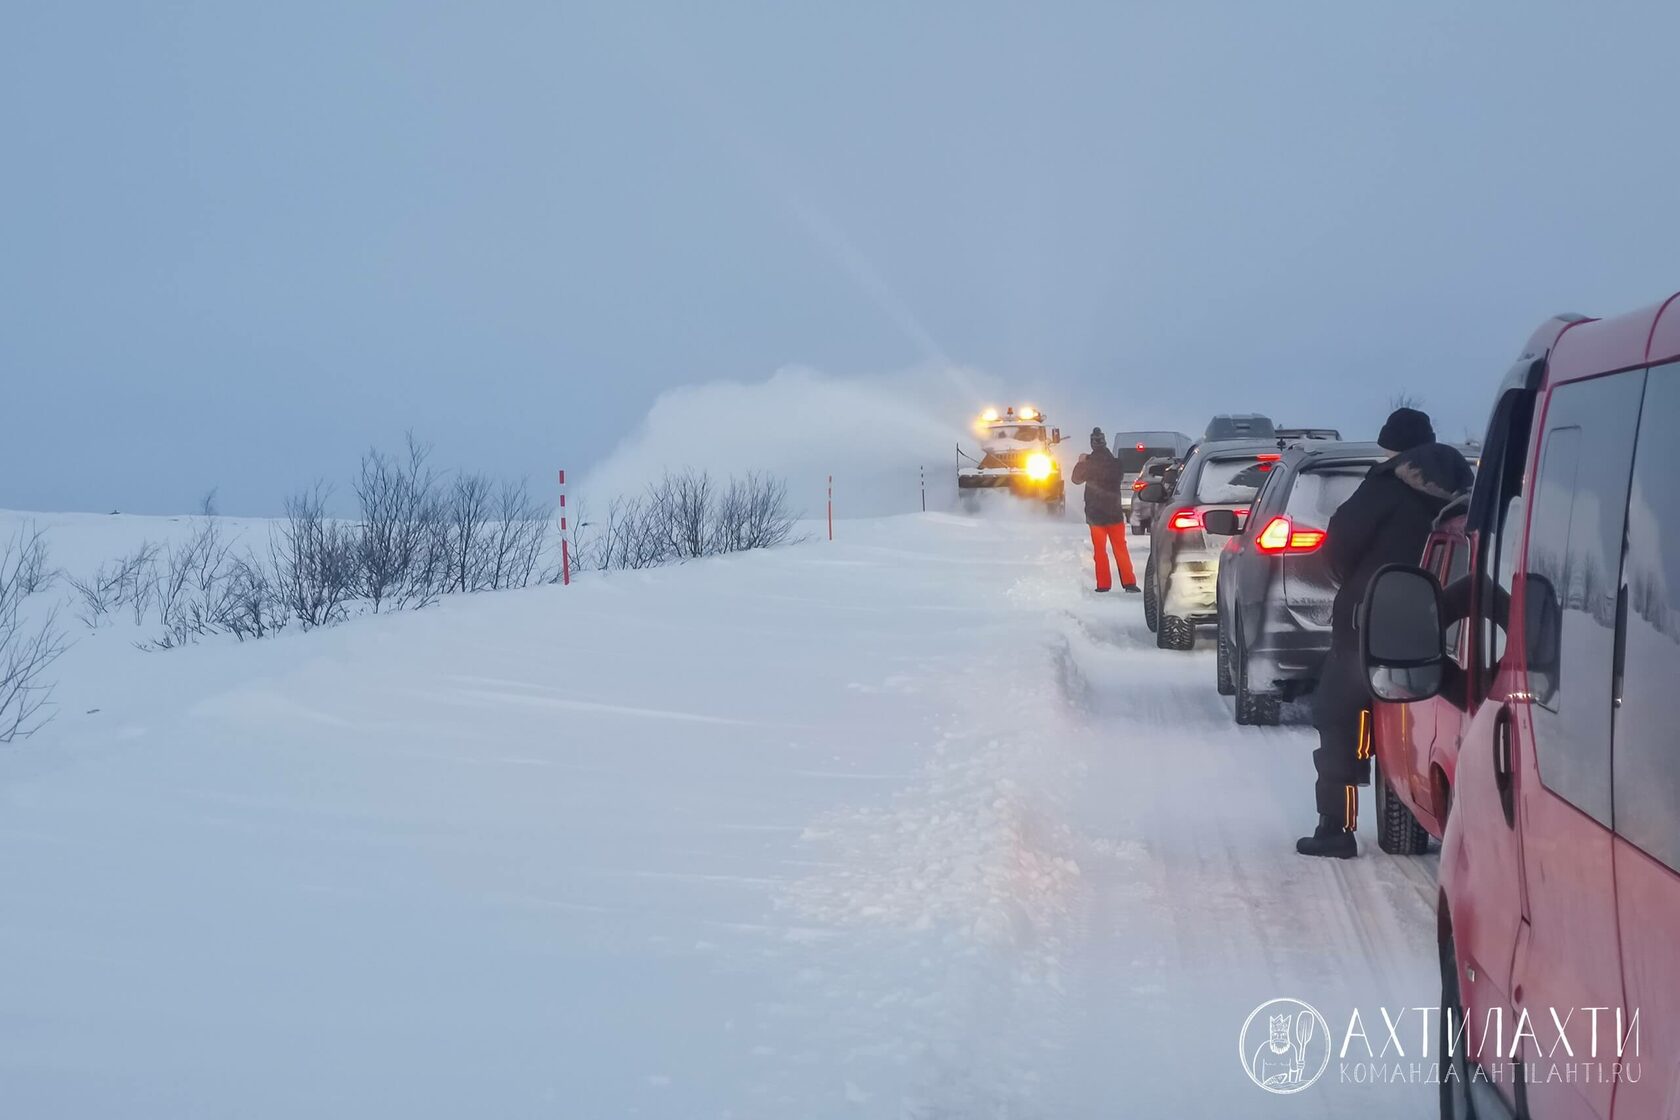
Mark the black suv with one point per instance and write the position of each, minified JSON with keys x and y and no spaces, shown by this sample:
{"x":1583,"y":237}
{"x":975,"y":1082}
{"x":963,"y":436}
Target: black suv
{"x":1274,"y":589}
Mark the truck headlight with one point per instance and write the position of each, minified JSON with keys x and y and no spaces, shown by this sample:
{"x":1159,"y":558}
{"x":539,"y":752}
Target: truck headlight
{"x":1039,"y":466}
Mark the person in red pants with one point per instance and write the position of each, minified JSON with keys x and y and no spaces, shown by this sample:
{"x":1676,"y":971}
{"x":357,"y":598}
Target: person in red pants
{"x":1100,"y":474}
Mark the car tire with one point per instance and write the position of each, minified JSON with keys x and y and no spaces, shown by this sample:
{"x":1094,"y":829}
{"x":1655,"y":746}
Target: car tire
{"x":1455,"y":1090}
{"x":1222,"y":659}
{"x":1398,"y":831}
{"x":1151,"y":608}
{"x":1254,"y":709}
{"x":1139,"y":530}
{"x":1173,"y":632}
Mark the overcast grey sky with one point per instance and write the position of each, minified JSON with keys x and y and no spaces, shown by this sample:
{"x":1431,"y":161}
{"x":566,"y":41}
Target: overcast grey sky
{"x":240,"y":242}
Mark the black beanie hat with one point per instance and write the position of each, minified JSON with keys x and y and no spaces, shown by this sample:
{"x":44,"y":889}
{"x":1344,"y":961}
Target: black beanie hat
{"x":1098,"y":439}
{"x":1406,"y":428}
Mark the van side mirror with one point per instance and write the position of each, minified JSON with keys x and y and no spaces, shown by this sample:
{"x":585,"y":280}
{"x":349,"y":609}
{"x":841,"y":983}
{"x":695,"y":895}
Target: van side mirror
{"x":1401,"y":640}
{"x":1055,"y":435}
{"x":1542,"y":635}
{"x":1153,"y":492}
{"x":1221,"y":522}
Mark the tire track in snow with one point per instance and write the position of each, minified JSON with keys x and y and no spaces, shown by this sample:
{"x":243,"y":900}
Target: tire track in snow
{"x":1198,"y":907}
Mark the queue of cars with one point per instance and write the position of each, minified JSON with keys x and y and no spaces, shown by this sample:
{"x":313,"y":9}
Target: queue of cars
{"x":1525,"y":671}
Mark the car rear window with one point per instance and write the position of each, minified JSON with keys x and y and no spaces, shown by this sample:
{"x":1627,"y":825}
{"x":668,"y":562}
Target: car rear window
{"x":1317,"y":493}
{"x":1228,"y":481}
{"x":1132,"y":459}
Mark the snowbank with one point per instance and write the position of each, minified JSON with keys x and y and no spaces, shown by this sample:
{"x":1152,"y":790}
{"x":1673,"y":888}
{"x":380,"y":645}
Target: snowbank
{"x":907,"y":825}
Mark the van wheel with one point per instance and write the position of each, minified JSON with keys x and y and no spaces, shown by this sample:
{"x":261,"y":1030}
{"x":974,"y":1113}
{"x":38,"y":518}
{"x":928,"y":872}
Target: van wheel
{"x":1139,"y":530}
{"x":1222,"y":660}
{"x":1254,"y":709}
{"x":1151,"y":608}
{"x":1455,"y":1083}
{"x":1398,"y":832}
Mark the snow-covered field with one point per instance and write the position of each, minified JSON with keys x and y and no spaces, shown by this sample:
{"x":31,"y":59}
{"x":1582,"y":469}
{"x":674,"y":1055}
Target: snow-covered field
{"x":907,"y":825}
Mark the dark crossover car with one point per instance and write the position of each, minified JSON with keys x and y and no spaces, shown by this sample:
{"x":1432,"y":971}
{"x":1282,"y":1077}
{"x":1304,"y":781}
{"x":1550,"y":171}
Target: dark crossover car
{"x":1274,"y":590}
{"x":1163,"y":469}
{"x":1178,"y":581}
{"x":1134,"y":449}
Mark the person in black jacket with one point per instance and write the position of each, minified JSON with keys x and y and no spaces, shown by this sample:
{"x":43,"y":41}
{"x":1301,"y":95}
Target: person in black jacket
{"x":1101,"y":475}
{"x":1385,"y":521}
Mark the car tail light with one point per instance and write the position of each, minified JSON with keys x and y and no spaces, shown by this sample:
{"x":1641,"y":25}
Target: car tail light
{"x":1139,"y":484}
{"x":1185,"y":520}
{"x":1267,"y":457}
{"x":1283,"y":536}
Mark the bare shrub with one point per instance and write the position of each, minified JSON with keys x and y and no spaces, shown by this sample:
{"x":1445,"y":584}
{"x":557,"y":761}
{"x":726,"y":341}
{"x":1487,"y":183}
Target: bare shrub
{"x":466,"y":524}
{"x":26,"y":570}
{"x":687,"y":515}
{"x":401,"y":547}
{"x":754,"y":513}
{"x":251,"y":605}
{"x":314,"y":560}
{"x":516,"y":537}
{"x":188,"y":590}
{"x":124,"y":582}
{"x":634,"y":535}
{"x":26,"y":650}
{"x":683,"y":506}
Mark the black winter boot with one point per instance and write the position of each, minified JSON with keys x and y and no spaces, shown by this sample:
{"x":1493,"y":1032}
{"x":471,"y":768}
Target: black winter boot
{"x":1328,"y":839}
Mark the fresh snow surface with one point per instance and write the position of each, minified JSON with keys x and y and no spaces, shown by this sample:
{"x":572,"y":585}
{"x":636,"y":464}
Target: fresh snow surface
{"x":907,"y":825}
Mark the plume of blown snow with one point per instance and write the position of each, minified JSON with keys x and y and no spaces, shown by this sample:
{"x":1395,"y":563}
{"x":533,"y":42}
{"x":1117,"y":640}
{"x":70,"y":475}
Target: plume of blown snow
{"x":871,"y":432}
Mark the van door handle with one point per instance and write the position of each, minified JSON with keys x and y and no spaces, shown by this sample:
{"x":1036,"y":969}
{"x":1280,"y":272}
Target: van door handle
{"x":1504,"y":771}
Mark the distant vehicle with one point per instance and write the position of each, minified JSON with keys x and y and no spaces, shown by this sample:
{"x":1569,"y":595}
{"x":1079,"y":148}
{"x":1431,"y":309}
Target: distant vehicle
{"x":1559,"y":877}
{"x":1274,"y":589}
{"x":1416,"y":745}
{"x":1134,"y":449}
{"x":1247,"y":425}
{"x":1179,"y":579}
{"x":1016,"y":455}
{"x":1296,"y":435}
{"x":1162,"y":469}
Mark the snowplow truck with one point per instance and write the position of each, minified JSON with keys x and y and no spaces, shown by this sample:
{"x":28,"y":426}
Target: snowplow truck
{"x":1017,"y":455}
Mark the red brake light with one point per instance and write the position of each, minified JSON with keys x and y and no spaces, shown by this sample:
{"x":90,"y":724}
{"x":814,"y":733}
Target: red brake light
{"x":1185,"y":520}
{"x":1281,"y":536}
{"x":1139,"y":484}
{"x":1140,"y":447}
{"x":1268,"y":457}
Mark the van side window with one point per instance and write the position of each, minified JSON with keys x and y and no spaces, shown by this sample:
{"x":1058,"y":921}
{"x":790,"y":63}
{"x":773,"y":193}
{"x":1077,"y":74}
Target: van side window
{"x":1647,"y":758}
{"x":1500,"y":522}
{"x":1458,"y":564}
{"x":1573,"y":570}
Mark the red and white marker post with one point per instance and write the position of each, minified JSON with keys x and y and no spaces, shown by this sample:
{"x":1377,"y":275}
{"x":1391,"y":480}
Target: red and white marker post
{"x":565,"y":538}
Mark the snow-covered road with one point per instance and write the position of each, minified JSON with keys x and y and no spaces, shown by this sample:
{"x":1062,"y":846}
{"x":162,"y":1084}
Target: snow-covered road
{"x":908,"y":825}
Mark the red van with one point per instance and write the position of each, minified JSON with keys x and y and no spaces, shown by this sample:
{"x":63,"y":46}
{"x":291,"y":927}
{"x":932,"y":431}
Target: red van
{"x":1416,"y":745}
{"x":1560,"y":864}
